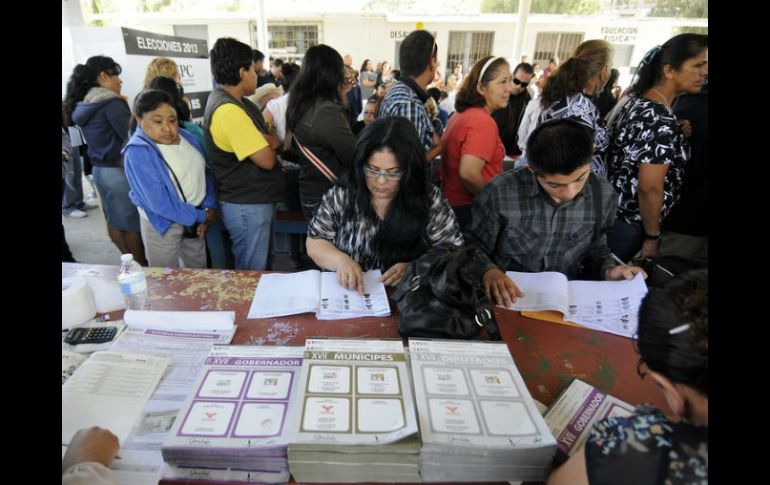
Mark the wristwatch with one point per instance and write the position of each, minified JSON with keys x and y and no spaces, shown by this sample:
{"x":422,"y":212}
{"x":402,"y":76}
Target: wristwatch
{"x":653,"y":237}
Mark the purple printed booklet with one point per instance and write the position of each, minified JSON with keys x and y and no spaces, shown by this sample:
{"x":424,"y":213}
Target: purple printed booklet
{"x":239,"y":413}
{"x":575,"y":411}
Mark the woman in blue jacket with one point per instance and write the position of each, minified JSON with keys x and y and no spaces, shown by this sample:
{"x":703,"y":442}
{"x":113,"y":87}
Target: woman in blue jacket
{"x":166,"y":170}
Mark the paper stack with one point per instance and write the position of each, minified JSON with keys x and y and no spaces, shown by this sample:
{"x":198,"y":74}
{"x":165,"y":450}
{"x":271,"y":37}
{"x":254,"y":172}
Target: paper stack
{"x":237,"y":420}
{"x":357,"y":421}
{"x":478,"y":422}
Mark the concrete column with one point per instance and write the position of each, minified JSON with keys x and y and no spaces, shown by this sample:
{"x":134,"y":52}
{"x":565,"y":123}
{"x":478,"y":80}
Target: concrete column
{"x":521,"y":29}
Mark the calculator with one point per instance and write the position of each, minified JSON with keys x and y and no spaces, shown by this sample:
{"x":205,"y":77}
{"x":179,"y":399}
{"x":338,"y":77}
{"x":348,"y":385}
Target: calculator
{"x":90,"y":335}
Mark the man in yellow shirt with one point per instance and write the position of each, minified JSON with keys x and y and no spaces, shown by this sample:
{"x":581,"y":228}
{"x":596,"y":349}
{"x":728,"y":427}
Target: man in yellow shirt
{"x":242,"y":154}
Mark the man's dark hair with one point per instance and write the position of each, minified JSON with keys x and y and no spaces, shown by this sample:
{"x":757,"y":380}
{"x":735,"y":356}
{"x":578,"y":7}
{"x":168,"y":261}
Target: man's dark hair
{"x":434,"y":93}
{"x":258,"y":56}
{"x":227,"y":57}
{"x":526,"y":67}
{"x":290,"y":73}
{"x":559,"y":146}
{"x":277,"y":62}
{"x":415,"y":53}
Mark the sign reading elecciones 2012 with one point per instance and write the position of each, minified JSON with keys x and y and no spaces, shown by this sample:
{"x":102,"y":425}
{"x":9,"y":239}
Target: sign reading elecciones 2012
{"x":149,"y":44}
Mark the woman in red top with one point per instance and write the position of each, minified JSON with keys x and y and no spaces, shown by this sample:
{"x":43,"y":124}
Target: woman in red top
{"x":473,"y":152}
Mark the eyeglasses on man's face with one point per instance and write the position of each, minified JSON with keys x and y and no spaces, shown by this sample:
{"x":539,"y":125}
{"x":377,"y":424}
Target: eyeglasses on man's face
{"x":523,"y":84}
{"x":375,"y":174}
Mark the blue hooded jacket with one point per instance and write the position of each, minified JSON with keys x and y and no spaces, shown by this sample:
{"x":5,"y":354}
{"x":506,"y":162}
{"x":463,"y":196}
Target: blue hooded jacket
{"x":103,"y":116}
{"x":153,"y":189}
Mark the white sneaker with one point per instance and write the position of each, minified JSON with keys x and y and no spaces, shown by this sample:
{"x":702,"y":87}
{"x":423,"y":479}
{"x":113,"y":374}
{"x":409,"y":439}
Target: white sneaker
{"x":88,"y":205}
{"x":92,"y":199}
{"x":76,"y":214}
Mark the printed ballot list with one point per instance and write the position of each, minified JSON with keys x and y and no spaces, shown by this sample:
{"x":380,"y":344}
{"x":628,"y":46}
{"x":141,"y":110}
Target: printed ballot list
{"x":280,"y":294}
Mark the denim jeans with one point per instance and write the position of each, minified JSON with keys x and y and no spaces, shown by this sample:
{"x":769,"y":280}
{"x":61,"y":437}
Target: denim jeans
{"x":73,"y":183}
{"x":120,"y":212}
{"x":250,"y":227}
{"x":219,"y":246}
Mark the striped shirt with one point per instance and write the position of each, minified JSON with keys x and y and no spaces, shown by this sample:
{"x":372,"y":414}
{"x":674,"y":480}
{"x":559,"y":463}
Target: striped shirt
{"x":401,"y":100}
{"x":354,"y":236}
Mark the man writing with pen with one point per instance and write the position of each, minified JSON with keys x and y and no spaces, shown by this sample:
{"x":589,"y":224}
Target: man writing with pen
{"x":551,"y":215}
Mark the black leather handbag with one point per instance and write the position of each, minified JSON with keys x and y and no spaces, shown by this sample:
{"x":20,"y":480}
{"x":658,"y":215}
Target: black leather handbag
{"x":442,"y":296}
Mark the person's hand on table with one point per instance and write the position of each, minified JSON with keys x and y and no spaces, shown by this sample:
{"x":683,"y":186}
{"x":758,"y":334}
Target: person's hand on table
{"x":349,"y":274}
{"x":500,"y":288}
{"x":394,"y":274}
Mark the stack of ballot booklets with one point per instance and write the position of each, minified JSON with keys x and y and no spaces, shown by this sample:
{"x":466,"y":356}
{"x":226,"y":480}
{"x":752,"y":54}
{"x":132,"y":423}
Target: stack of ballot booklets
{"x":357,"y":421}
{"x":478,"y":422}
{"x":575,"y":412}
{"x":236,"y":423}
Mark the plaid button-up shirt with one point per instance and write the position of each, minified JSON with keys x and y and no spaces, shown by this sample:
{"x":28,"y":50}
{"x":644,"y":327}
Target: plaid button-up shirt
{"x":400,"y":100}
{"x":514,"y":226}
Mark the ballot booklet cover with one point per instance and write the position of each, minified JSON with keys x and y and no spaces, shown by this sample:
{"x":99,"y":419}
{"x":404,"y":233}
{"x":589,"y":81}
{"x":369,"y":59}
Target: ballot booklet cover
{"x":280,"y":294}
{"x":477,"y":419}
{"x":357,"y":420}
{"x":240,"y":411}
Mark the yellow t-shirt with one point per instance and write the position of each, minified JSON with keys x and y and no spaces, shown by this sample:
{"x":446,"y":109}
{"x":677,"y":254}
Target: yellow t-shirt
{"x":233,"y":131}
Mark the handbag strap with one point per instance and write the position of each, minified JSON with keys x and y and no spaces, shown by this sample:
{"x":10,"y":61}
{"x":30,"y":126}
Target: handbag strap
{"x":173,"y":174}
{"x":317,"y":162}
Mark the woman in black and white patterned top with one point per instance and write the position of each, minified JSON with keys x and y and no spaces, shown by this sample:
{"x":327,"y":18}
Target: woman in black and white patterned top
{"x":384,"y":214}
{"x":648,"y":149}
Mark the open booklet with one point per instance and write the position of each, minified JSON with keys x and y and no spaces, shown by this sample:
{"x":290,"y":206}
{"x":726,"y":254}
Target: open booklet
{"x":608,"y":306}
{"x":280,"y":294}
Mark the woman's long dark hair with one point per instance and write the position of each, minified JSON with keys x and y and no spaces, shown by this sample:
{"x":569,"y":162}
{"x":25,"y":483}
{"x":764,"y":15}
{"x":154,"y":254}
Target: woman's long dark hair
{"x":175,"y":91}
{"x":402,"y":235}
{"x":320,"y":77}
{"x":83,"y":78}
{"x":673,"y":334}
{"x":674,"y":52}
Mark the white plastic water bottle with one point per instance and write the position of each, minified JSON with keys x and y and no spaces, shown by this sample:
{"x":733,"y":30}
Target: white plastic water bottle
{"x":133,"y":283}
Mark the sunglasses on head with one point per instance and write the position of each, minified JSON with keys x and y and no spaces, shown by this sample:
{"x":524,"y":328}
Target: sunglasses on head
{"x":520,"y":83}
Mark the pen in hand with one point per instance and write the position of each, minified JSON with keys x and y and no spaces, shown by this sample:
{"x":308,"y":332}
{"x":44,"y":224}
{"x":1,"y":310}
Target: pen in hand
{"x":618,"y":260}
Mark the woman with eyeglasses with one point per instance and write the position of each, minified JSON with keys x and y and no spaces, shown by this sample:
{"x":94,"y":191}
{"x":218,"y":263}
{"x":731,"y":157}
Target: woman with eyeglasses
{"x":472,"y":149}
{"x":384,"y":214}
{"x":570,"y":89}
{"x":647,"y":447}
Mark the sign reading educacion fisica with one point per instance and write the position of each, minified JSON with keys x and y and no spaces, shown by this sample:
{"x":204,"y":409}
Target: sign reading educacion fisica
{"x":138,"y":42}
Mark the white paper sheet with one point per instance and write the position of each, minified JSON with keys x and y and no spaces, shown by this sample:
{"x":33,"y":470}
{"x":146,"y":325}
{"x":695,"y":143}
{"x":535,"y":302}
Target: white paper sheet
{"x":109,"y":390}
{"x":198,"y":320}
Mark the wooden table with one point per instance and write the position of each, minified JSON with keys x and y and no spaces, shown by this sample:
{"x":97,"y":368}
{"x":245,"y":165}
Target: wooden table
{"x":548,"y":355}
